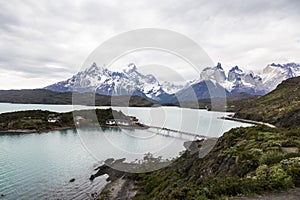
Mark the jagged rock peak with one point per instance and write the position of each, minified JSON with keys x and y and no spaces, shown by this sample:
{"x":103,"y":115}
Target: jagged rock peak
{"x":131,"y":67}
{"x":235,"y":68}
{"x":219,"y":66}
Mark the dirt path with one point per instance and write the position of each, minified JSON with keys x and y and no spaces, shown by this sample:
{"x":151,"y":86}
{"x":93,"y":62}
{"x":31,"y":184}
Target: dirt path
{"x":293,"y":194}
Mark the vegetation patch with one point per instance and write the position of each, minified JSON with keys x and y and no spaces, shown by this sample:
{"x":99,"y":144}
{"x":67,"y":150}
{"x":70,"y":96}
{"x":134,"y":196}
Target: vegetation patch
{"x":40,"y":121}
{"x":244,"y":161}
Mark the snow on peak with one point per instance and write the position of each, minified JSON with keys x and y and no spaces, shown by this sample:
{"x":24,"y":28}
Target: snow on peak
{"x":235,"y":73}
{"x":274,"y":74}
{"x":128,"y":80}
{"x":92,"y":68}
{"x":236,"y":80}
{"x":213,"y":73}
{"x":130,"y":68}
{"x":285,"y":66}
{"x":292,"y":65}
{"x":172,"y":88}
{"x":94,"y":65}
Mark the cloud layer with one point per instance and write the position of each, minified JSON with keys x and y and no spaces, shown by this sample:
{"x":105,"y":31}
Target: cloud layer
{"x":42,"y":42}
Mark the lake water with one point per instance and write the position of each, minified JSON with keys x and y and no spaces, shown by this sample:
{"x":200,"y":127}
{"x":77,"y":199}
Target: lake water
{"x":39,"y":166}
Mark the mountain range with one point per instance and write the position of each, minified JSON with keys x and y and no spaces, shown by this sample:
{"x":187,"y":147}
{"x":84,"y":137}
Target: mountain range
{"x":213,"y":82}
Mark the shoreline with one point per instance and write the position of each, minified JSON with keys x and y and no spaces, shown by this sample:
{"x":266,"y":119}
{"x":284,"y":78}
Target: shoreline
{"x":229,"y":117}
{"x":32,"y":131}
{"x":120,"y":188}
{"x":142,"y":127}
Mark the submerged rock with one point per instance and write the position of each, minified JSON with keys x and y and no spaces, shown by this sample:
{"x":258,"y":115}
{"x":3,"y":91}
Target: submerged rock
{"x":72,"y":180}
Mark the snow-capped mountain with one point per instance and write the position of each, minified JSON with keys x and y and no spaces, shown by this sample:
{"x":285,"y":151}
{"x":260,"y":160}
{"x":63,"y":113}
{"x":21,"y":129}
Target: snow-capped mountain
{"x":237,"y":81}
{"x":235,"y":73}
{"x":172,"y":88}
{"x":274,"y":74}
{"x":213,"y":73}
{"x":247,"y":82}
{"x":204,"y":89}
{"x":213,"y":82}
{"x":128,"y":81}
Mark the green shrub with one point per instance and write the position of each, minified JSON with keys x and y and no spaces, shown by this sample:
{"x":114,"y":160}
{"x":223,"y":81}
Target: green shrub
{"x":292,"y":167}
{"x":271,"y":157}
{"x":244,"y":161}
{"x":279,"y":178}
{"x":291,"y":155}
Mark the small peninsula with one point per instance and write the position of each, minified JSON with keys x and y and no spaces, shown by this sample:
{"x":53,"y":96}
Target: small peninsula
{"x":38,"y":121}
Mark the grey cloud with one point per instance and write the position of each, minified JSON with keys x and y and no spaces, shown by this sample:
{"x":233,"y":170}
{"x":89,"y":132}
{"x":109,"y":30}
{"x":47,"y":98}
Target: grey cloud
{"x":55,"y":37}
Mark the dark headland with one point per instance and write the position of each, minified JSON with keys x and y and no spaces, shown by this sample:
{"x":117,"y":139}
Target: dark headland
{"x":38,"y":121}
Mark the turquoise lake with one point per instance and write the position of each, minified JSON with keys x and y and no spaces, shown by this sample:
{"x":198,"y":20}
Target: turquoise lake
{"x":39,"y":166}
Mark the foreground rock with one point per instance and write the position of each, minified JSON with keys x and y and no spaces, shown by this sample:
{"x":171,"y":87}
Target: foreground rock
{"x":120,"y":185}
{"x":110,"y":167}
{"x":122,"y":175}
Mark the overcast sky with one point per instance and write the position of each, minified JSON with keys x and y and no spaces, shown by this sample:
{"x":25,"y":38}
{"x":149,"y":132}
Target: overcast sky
{"x":42,"y":42}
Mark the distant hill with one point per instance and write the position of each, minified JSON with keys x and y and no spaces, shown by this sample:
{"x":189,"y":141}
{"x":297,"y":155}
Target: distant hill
{"x":280,"y":107}
{"x":42,"y":96}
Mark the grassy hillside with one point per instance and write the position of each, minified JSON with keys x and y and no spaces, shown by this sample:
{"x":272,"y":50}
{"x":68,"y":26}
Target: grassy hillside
{"x":244,"y":161}
{"x":280,"y":107}
{"x":42,"y":96}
